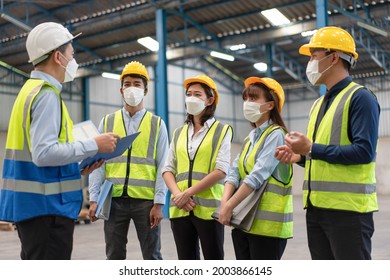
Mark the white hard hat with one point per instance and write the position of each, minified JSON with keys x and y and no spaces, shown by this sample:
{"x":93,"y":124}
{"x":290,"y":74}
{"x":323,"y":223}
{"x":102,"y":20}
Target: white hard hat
{"x":44,"y":38}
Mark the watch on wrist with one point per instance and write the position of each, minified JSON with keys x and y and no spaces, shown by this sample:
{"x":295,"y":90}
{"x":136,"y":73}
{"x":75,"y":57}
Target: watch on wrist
{"x":308,"y":155}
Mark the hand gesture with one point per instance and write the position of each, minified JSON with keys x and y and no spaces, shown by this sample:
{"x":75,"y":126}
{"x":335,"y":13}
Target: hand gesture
{"x":106,"y":142}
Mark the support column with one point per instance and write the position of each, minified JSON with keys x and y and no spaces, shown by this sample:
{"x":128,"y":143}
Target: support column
{"x":161,"y":80}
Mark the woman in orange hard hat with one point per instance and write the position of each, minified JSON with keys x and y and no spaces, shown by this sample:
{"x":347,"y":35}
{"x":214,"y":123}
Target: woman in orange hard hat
{"x":256,"y":169}
{"x":197,"y":162}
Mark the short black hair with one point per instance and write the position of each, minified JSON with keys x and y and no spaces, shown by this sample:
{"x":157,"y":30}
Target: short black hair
{"x":145,"y":82}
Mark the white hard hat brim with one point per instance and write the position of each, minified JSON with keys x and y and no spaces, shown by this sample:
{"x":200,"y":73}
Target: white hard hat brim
{"x":36,"y":59}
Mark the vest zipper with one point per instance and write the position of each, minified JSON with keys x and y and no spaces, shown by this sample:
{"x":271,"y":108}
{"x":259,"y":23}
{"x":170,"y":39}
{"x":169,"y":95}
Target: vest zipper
{"x":125,"y":186}
{"x":190,"y":173}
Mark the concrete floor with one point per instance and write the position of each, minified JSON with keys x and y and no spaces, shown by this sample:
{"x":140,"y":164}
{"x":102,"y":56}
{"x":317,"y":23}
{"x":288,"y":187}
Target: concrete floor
{"x":89,"y":239}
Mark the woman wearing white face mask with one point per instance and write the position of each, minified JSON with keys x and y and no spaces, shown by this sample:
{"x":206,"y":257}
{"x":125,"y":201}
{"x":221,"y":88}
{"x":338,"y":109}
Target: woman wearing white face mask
{"x":197,"y":162}
{"x":256,"y":165}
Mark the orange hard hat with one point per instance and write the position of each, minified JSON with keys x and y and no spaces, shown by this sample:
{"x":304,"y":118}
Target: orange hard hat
{"x":272,"y":85}
{"x":203,"y":79}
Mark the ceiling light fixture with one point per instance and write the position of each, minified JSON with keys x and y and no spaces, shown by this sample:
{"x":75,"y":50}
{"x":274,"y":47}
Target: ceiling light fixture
{"x":110,"y":76}
{"x":308,"y":33}
{"x":222,"y":55}
{"x":275,"y":17}
{"x":237,"y":47}
{"x":261,"y":66}
{"x":149,"y":42}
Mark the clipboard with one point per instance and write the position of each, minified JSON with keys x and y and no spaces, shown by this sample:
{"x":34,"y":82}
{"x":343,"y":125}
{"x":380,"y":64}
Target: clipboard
{"x":121,"y":146}
{"x":104,"y":201}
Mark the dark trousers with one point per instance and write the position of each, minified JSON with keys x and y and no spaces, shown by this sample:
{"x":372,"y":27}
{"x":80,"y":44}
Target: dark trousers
{"x":123,"y":210}
{"x":257,"y":247}
{"x":339,"y":235}
{"x":187,"y":231}
{"x":46,"y":238}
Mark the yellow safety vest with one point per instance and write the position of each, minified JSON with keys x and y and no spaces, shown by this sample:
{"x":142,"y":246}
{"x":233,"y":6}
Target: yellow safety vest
{"x":134,"y":172}
{"x":28,"y":190}
{"x":338,"y":186}
{"x":190,"y":172}
{"x":274,"y":216}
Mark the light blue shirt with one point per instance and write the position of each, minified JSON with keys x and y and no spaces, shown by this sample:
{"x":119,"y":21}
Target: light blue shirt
{"x":266,"y":164}
{"x":45,"y":128}
{"x":97,"y":177}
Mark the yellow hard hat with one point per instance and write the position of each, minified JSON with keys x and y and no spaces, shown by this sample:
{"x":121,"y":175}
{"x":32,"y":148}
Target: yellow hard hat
{"x":134,"y":68}
{"x":272,"y":85}
{"x":203,"y":79}
{"x":332,"y":38}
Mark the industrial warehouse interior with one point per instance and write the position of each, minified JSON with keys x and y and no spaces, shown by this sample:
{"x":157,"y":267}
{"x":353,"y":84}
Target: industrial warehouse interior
{"x":229,"y":41}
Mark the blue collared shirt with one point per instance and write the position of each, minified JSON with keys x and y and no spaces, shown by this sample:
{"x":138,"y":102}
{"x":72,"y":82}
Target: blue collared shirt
{"x":97,"y":177}
{"x":266,"y":164}
{"x":362,"y":129}
{"x":45,"y":128}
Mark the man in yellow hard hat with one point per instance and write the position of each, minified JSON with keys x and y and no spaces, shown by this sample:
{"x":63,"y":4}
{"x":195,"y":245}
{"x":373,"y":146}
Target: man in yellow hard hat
{"x":338,"y":152}
{"x":138,"y":189}
{"x":41,"y":190}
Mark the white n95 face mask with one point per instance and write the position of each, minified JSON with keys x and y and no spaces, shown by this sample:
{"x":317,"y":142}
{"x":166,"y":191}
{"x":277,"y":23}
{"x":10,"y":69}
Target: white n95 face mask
{"x":194,"y":105}
{"x":252,"y":111}
{"x":312,"y":72}
{"x":71,"y":71}
{"x":133,"y":95}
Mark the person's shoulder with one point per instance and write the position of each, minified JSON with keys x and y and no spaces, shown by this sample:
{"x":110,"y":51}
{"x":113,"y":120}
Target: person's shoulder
{"x":364,"y":94}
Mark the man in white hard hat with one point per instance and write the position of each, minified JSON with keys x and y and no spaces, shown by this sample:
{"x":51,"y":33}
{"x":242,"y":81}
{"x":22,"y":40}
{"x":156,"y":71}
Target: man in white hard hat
{"x":41,"y":190}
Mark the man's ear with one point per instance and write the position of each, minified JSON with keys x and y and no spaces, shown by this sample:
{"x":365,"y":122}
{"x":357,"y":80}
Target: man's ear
{"x":56,"y":56}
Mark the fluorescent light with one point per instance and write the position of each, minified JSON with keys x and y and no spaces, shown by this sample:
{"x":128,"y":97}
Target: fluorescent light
{"x":261,"y":66}
{"x":275,"y":17}
{"x":237,"y":47}
{"x":373,"y":28}
{"x":150,"y":43}
{"x":16,"y":22}
{"x":308,"y":33}
{"x":222,"y":56}
{"x":110,"y":75}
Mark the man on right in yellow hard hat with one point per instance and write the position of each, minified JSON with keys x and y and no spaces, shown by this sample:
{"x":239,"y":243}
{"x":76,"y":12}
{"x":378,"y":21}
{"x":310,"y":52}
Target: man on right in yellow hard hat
{"x":338,"y":152}
{"x":139,"y":191}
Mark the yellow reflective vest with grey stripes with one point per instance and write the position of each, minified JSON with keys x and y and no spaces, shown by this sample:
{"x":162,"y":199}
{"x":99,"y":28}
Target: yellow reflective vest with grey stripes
{"x":133,"y":173}
{"x":30,"y":191}
{"x":189,"y":172}
{"x":274,"y":216}
{"x":338,"y":186}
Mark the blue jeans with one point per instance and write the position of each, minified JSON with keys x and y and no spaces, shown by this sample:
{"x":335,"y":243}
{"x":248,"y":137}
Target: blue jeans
{"x":116,"y":229}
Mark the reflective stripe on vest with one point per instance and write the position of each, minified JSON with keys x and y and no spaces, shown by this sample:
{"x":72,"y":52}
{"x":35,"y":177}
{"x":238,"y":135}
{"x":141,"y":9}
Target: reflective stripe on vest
{"x":274,"y":216}
{"x":139,"y":160}
{"x":27,"y":190}
{"x":191,"y":172}
{"x":338,"y":186}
